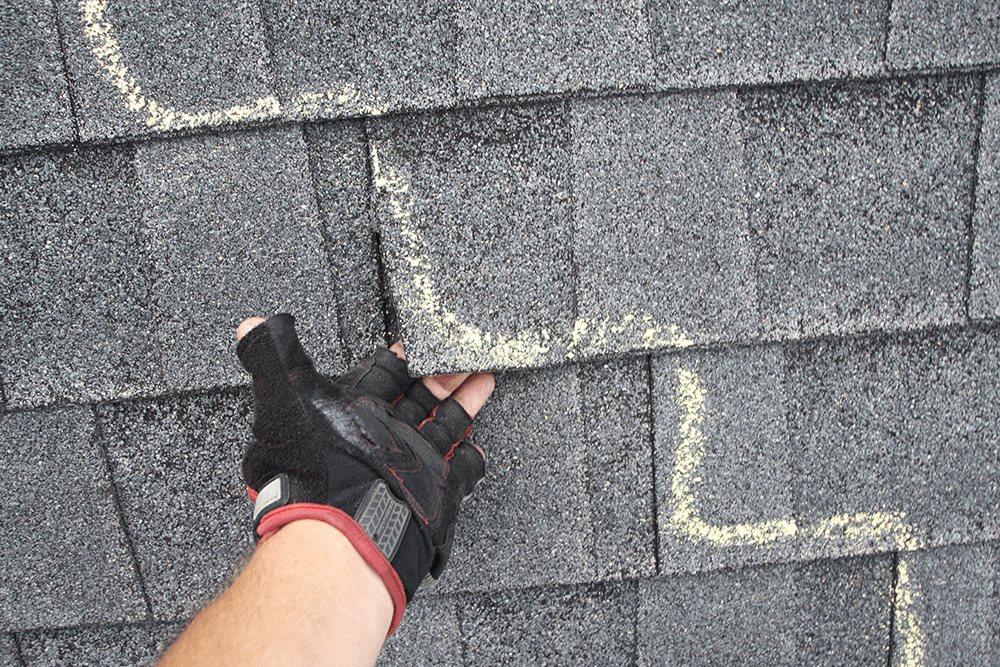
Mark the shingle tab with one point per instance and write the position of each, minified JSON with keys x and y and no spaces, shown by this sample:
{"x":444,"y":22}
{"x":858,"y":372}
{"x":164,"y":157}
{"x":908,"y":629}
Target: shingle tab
{"x":711,"y":43}
{"x":235,"y":231}
{"x":723,"y":467}
{"x":137,"y":67}
{"x":429,"y":635}
{"x":66,"y":560}
{"x":343,"y":58}
{"x":943,"y":33}
{"x":823,"y":613}
{"x":34,"y":94}
{"x":984,"y":296}
{"x":901,"y":434}
{"x":78,"y":322}
{"x":580,"y":625}
{"x":338,"y":158}
{"x":474,"y":209}
{"x":661,"y":248}
{"x":107,"y":646}
{"x":954,"y":603}
{"x":860,"y":197}
{"x":527,"y":47}
{"x":176,"y":464}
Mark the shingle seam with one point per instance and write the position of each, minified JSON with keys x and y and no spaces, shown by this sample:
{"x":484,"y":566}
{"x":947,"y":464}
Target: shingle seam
{"x":463,"y":640}
{"x":891,"y":648}
{"x":753,"y":238}
{"x":328,"y":243}
{"x":634,"y":589}
{"x":970,"y":227}
{"x":119,"y":512}
{"x":269,"y":42}
{"x":390,"y":319}
{"x":886,"y":30}
{"x":15,"y":636}
{"x":65,"y":68}
{"x":651,"y":417}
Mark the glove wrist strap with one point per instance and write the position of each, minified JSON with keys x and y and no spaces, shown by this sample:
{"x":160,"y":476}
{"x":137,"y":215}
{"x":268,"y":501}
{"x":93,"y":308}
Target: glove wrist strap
{"x":355,"y":534}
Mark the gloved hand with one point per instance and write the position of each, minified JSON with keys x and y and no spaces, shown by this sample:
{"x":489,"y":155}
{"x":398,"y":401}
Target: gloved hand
{"x":373,"y":453}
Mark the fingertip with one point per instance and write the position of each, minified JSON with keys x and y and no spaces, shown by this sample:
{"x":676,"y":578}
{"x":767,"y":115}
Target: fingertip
{"x":247,"y":325}
{"x":397,"y":349}
{"x":474,"y":392}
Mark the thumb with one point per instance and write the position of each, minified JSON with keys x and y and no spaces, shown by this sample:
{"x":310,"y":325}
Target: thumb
{"x":272,"y":349}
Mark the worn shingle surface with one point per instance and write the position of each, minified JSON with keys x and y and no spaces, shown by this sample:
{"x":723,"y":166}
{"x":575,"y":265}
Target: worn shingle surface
{"x":474,"y":209}
{"x":57,"y":478}
{"x":109,"y":646}
{"x":929,"y":33}
{"x":956,"y":605}
{"x":907,"y":425}
{"x":711,"y":43}
{"x":587,"y":625}
{"x":984,"y":297}
{"x":235,"y":232}
{"x":136,"y":67}
{"x":75,"y":289}
{"x":668,"y":169}
{"x":346,"y":58}
{"x":527,"y":47}
{"x":428,"y":635}
{"x":859,"y":200}
{"x":338,"y":159}
{"x":34,"y":94}
{"x":174,"y":464}
{"x":830,"y":613}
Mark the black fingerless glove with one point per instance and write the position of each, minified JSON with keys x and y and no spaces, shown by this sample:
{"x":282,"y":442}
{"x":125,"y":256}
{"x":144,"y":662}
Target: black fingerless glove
{"x":372,"y":453}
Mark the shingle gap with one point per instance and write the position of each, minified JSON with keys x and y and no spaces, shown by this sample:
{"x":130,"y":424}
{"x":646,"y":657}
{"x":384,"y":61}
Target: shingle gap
{"x":970,"y":223}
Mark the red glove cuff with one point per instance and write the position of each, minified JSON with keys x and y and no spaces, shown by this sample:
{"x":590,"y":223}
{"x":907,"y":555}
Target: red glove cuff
{"x":354,"y":533}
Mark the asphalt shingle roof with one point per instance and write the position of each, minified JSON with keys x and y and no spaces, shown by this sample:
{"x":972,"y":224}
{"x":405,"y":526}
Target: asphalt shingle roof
{"x":736,"y":266}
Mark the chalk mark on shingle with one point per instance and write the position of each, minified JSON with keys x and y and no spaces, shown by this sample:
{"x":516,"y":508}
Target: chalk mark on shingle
{"x":108,"y":53}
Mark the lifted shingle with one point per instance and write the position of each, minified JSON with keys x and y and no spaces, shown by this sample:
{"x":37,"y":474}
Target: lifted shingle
{"x":824,"y":613}
{"x":34,"y":95}
{"x":953,"y":604}
{"x":235,"y":231}
{"x":984,"y":294}
{"x":943,"y":33}
{"x":712,"y":43}
{"x":66,"y":560}
{"x":176,"y":464}
{"x":138,"y":67}
{"x":525,"y":47}
{"x":859,"y":201}
{"x":580,"y":625}
{"x":107,"y":646}
{"x":75,"y":287}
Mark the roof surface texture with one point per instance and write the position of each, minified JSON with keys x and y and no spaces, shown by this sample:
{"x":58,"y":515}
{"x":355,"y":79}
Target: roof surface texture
{"x":737,"y":266}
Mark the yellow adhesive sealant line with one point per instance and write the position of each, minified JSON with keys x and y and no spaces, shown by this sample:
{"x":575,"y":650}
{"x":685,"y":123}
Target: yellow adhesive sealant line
{"x":108,"y":53}
{"x":850,"y":529}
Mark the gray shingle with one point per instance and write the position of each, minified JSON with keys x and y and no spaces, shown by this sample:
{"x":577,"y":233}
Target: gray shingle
{"x":137,"y":67}
{"x":176,"y":464}
{"x":859,"y":200}
{"x":34,"y":95}
{"x":236,"y":233}
{"x":951,"y":607}
{"x":429,"y":635}
{"x":78,"y":321}
{"x":614,"y":408}
{"x":107,"y":646}
{"x":901,"y":434}
{"x":711,"y":43}
{"x":661,"y":243}
{"x":985,"y":282}
{"x":723,"y":467}
{"x":345,"y":58}
{"x":474,"y":209}
{"x":579,"y":625}
{"x":9,"y":655}
{"x":528,"y":47}
{"x":66,"y":560}
{"x":338,"y":158}
{"x":943,"y":33}
{"x":828,"y":612}
{"x":529,"y":520}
